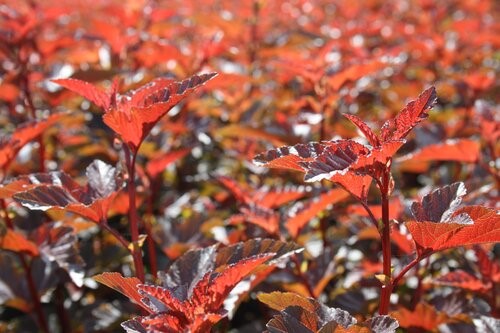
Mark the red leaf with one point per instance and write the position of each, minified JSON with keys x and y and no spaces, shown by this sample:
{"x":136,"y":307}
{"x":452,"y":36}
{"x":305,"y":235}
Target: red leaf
{"x":238,"y":192}
{"x":276,"y":197}
{"x":301,"y":314}
{"x":357,"y":185}
{"x":133,"y":122}
{"x":303,"y":214}
{"x":16,"y":242}
{"x":461,"y":279}
{"x":424,"y":317}
{"x":431,"y":236}
{"x":58,"y":190}
{"x":263,"y":217}
{"x":289,"y":157}
{"x":440,"y":204}
{"x":330,"y":160}
{"x":125,"y":286}
{"x":87,"y":90}
{"x":490,"y":269}
{"x":157,"y":165}
{"x":413,"y":113}
{"x":459,"y":150}
{"x":364,"y":128}
{"x":336,"y":159}
{"x":23,"y":134}
{"x":224,"y":282}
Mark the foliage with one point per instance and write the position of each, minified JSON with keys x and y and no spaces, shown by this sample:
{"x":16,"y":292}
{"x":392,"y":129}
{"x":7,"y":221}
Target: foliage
{"x":277,"y":166}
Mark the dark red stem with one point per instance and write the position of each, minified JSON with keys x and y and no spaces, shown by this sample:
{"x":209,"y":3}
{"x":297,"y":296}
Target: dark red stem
{"x":104,"y":224}
{"x":136,"y":252}
{"x":386,"y":289}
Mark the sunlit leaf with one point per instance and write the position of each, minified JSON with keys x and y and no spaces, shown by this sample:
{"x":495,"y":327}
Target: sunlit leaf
{"x":413,"y":113}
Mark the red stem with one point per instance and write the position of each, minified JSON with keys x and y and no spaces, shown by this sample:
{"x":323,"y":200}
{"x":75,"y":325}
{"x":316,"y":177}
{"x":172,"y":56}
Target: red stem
{"x":386,"y":289}
{"x":126,"y":244}
{"x":405,"y":270}
{"x":42,"y":322}
{"x":132,"y":214}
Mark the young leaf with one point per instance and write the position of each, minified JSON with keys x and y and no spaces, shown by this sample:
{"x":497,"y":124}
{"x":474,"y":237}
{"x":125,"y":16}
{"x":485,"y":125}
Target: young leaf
{"x":364,"y":128}
{"x":413,"y":113}
{"x":289,"y":157}
{"x":335,"y":160}
{"x":133,"y":122}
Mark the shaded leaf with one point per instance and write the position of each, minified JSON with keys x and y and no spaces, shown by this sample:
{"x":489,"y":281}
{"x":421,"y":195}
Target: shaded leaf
{"x":298,"y":312}
{"x":440,"y":204}
{"x":23,"y":134}
{"x":59,"y":244}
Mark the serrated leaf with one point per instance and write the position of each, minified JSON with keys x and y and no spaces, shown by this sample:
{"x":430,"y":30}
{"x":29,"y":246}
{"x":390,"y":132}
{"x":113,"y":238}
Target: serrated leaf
{"x":58,"y":190}
{"x":431,"y":236}
{"x":133,"y":122}
{"x":364,"y":128}
{"x":413,"y":113}
{"x":125,"y":285}
{"x":441,"y":204}
{"x":298,"y":312}
{"x":87,"y":90}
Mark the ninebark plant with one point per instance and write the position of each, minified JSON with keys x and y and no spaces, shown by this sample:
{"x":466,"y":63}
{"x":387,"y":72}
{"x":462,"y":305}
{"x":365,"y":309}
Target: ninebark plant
{"x":438,"y":222}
